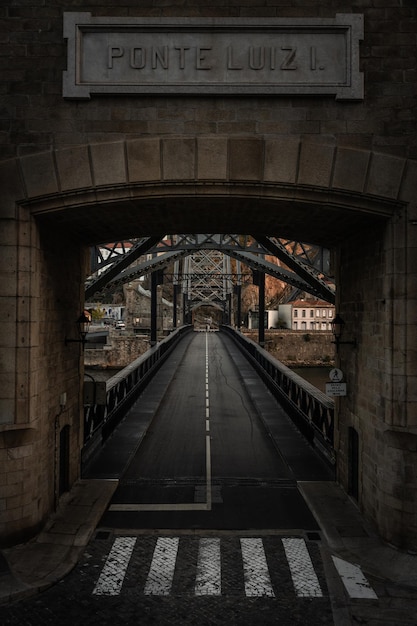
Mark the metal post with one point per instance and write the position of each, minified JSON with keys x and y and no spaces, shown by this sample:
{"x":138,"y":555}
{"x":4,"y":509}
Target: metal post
{"x":238,"y":295}
{"x":154,"y":307}
{"x":239,"y":306}
{"x":261,"y":334}
{"x":259,"y":280}
{"x":174,"y":306}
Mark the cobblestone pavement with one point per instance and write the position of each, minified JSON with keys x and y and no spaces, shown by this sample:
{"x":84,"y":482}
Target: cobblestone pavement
{"x":186,"y":579}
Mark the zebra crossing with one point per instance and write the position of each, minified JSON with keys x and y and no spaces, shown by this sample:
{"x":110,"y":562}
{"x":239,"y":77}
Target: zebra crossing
{"x":250,"y":559}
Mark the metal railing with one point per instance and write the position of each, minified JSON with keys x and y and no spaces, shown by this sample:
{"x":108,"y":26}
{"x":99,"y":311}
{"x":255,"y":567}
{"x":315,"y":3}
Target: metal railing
{"x":122,"y":390}
{"x":310,"y":409}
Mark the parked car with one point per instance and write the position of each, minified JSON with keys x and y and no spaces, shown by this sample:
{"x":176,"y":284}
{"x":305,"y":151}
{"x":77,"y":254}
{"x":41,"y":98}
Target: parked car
{"x":120,"y":325}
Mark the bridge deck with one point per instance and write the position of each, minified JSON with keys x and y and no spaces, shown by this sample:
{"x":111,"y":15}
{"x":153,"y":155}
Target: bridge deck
{"x":203,"y":459}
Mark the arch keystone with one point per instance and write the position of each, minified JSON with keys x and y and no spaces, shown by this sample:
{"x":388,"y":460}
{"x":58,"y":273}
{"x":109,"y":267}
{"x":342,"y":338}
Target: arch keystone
{"x":178,"y":158}
{"x":212,"y":158}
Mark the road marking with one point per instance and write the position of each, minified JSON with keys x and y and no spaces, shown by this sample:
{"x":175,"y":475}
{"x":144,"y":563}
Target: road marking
{"x":257,"y":579}
{"x":354,"y":580}
{"x":208,"y":577}
{"x":208,"y":473}
{"x":305,"y":581}
{"x":208,"y":572}
{"x":161,"y":573}
{"x":114,"y":570}
{"x":182,"y":506}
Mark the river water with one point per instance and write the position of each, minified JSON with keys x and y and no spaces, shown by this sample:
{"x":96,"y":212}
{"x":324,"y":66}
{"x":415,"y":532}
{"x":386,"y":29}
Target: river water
{"x":317,"y":376}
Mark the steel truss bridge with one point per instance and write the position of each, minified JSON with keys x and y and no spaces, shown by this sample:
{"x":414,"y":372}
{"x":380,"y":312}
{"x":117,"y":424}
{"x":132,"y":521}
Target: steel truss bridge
{"x":209,"y":268}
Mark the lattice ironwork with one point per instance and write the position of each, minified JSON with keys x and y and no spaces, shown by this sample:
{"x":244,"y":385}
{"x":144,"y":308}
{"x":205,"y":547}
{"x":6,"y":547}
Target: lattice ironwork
{"x":205,"y":271}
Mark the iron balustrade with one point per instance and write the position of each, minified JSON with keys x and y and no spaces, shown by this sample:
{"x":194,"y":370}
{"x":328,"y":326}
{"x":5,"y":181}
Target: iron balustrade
{"x":309,"y":408}
{"x":122,"y":390}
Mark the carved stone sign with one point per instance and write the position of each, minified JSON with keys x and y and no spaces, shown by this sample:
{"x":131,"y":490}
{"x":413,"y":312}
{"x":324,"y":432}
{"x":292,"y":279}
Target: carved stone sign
{"x":213,"y":56}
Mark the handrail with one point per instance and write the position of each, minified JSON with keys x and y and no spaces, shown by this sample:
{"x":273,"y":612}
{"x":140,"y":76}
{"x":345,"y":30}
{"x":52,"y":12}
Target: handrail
{"x":309,"y":408}
{"x":122,"y":389}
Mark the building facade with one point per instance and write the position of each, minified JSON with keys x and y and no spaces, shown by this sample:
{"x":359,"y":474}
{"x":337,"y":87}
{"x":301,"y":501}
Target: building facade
{"x":311,"y":315}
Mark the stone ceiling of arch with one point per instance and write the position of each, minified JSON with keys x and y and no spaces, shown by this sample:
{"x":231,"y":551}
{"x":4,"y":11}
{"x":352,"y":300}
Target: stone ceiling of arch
{"x":282,"y":187}
{"x":315,"y":221}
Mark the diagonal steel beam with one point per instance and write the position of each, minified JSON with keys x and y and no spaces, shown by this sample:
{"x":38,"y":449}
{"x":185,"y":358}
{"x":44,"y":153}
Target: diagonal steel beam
{"x":142,"y":247}
{"x":257,"y":263}
{"x":307,"y":272}
{"x":157,"y":263}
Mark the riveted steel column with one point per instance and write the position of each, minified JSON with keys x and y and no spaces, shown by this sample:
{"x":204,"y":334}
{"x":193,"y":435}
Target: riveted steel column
{"x":259,"y":280}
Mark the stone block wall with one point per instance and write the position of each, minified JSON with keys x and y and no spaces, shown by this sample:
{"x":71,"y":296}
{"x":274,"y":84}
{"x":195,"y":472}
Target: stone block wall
{"x":77,"y":146}
{"x":374,"y":303}
{"x":35,"y":117}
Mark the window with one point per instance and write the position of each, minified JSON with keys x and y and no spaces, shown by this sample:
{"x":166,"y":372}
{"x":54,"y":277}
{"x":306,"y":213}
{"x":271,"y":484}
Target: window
{"x":303,"y":313}
{"x":295,"y":313}
{"x":311,"y":313}
{"x":317,"y":312}
{"x":323,"y":313}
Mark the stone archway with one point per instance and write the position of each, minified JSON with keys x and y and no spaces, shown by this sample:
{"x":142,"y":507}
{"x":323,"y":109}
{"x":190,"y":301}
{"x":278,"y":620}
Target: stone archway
{"x":328,"y":194}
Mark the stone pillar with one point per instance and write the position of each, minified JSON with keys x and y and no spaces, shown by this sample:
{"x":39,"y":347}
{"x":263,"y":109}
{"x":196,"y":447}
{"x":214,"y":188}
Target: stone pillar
{"x":377,"y":297}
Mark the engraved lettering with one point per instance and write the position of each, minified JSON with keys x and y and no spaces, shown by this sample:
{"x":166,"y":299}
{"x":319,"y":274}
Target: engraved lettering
{"x":230,"y":61}
{"x":273,"y":57}
{"x":201,"y":57}
{"x":257,"y":60}
{"x":138,"y":58}
{"x":182,"y":50}
{"x":312,"y":58}
{"x":113,"y":53}
{"x":160,"y":55}
{"x":288,"y":63}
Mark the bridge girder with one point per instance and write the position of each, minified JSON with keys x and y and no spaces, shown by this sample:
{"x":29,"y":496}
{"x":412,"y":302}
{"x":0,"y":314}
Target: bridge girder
{"x":246,"y":249}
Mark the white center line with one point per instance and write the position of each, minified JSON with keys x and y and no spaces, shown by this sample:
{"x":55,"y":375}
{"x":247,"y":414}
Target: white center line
{"x":185,"y":506}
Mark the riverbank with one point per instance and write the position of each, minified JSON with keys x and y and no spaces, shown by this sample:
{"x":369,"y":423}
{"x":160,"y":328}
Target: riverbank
{"x":298,"y":348}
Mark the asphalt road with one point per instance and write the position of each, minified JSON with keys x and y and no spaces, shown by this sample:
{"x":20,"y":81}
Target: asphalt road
{"x":207,"y":525}
{"x":207,"y":460}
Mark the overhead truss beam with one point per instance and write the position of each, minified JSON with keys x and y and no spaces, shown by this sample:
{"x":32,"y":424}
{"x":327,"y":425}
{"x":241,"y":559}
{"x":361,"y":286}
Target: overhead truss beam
{"x":249,"y":250}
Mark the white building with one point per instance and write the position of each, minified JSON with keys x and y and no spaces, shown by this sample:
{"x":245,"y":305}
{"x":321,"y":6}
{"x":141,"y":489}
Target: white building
{"x":311,"y":315}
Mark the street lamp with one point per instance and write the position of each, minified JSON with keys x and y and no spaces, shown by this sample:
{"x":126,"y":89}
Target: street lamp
{"x":338,"y":326}
{"x":83,"y":325}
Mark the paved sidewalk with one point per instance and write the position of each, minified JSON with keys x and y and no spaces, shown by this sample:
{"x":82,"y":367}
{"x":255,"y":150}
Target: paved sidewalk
{"x":38,"y":564}
{"x":34,"y":566}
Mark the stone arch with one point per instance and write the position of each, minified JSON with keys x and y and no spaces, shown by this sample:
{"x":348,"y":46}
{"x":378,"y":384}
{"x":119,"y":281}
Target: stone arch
{"x":90,"y":193}
{"x":116,"y":177}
